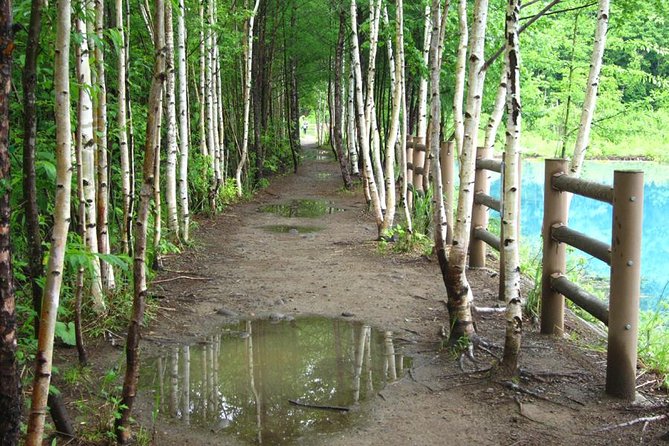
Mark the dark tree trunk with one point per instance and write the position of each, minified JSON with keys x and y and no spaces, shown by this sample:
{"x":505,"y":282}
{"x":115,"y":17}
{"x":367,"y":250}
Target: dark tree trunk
{"x":10,"y":385}
{"x":337,"y":137}
{"x":293,"y":96}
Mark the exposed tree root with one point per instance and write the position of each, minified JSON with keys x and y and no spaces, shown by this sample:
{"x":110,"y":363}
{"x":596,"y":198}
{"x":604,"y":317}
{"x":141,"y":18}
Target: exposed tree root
{"x":633,"y":422}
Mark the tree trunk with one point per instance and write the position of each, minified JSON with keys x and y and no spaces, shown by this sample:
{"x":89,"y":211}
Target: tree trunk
{"x":122,"y":122}
{"x":421,"y":130}
{"x":54,"y":275}
{"x":352,"y":135}
{"x":204,"y":150}
{"x":363,"y":137}
{"x":337,"y":136}
{"x":122,"y":424}
{"x":459,"y":292}
{"x":171,"y":119}
{"x":10,"y":384}
{"x":397,"y":75}
{"x":184,"y":213}
{"x":590,"y":101}
{"x":511,"y":193}
{"x":497,"y":111}
{"x":247,"y":99}
{"x":86,"y":137}
{"x":106,"y":270}
{"x":460,"y":71}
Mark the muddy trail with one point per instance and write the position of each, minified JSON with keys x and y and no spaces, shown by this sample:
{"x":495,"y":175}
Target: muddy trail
{"x":279,"y":260}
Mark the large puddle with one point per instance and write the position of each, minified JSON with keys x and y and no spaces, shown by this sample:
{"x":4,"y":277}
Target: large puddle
{"x":275,"y":382}
{"x":292,"y":229}
{"x":302,"y":208}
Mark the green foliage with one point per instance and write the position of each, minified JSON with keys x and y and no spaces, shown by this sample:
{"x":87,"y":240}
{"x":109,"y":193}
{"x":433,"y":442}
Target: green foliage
{"x":65,"y":332}
{"x":423,"y":213}
{"x":399,"y":240}
{"x":654,"y":340}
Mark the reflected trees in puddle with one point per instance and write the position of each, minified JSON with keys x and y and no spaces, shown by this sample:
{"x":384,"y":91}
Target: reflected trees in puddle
{"x":301,"y":208}
{"x":241,"y":381}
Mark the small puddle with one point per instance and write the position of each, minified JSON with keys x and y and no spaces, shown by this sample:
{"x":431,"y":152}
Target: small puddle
{"x":292,"y":229}
{"x":302,"y":208}
{"x":319,"y":155}
{"x":275,"y":382}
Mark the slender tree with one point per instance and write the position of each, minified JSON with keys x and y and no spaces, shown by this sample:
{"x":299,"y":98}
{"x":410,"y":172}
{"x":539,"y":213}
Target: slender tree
{"x":460,"y":72}
{"x":248,"y":55}
{"x":122,"y":122}
{"x":459,"y":291}
{"x":511,"y":191}
{"x":171,"y":120}
{"x":86,"y":140}
{"x":590,"y":101}
{"x":337,"y":135}
{"x":184,"y":213}
{"x":54,"y":275}
{"x":10,"y":385}
{"x":421,"y":130}
{"x":122,"y":424}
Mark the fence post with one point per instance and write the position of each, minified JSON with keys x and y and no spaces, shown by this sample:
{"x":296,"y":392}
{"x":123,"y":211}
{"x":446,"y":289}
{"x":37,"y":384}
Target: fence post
{"x":556,"y":211}
{"x":409,"y":178}
{"x":625,"y":284}
{"x":477,"y":247}
{"x":447,"y":160}
{"x":419,"y":165}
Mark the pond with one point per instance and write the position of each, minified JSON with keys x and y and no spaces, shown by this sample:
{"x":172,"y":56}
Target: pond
{"x":594,"y":219}
{"x":268,"y":381}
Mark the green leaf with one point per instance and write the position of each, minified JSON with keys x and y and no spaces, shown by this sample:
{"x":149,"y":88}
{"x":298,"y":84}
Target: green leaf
{"x":66,"y":333}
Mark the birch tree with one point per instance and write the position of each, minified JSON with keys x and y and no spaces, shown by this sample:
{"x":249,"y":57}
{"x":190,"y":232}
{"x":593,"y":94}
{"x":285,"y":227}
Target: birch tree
{"x":122,"y":423}
{"x":590,"y":101}
{"x":459,"y":291}
{"x":511,"y":193}
{"x":122,"y":122}
{"x":421,"y":132}
{"x":102,"y":197}
{"x":460,"y":72}
{"x":10,"y":384}
{"x":337,"y":135}
{"x":54,"y":277}
{"x":171,"y":121}
{"x":184,"y":213}
{"x":363,"y":136}
{"x":86,"y":141}
{"x":248,"y":55}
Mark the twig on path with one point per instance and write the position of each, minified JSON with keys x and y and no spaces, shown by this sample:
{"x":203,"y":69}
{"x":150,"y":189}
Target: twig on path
{"x":516,"y":388}
{"x":633,"y":422}
{"x":318,"y":406}
{"x":177,"y":271}
{"x":171,"y":279}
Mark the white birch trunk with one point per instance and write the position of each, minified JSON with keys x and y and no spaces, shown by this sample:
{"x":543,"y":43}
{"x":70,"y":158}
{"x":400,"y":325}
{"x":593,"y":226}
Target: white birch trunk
{"x":184,"y":213}
{"x":106,"y":270}
{"x":87,"y":140}
{"x":122,"y":122}
{"x":247,"y":99}
{"x":422,"y":88}
{"x":590,"y":101}
{"x":511,"y":193}
{"x":171,"y":120}
{"x":61,"y":224}
{"x":203,"y":85}
{"x":210,"y":97}
{"x":460,"y":295}
{"x":394,"y":131}
{"x":352,"y":134}
{"x":460,"y":71}
{"x":363,"y":137}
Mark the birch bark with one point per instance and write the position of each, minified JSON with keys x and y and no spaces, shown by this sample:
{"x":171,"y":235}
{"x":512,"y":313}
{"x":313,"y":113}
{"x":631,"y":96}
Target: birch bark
{"x":122,"y":130}
{"x":184,"y":213}
{"x":421,"y":131}
{"x":459,"y":292}
{"x":590,"y":101}
{"x":460,"y":71}
{"x":86,"y":137}
{"x":61,"y":225}
{"x":172,"y":148}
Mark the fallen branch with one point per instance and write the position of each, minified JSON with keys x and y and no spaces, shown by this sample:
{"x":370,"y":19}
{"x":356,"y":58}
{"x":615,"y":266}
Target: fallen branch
{"x":633,"y":422}
{"x":318,"y":406}
{"x":171,"y":279}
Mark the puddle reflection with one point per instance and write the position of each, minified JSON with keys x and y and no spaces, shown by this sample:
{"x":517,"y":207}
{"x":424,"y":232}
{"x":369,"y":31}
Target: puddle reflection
{"x":301,"y":208}
{"x":241,"y":380}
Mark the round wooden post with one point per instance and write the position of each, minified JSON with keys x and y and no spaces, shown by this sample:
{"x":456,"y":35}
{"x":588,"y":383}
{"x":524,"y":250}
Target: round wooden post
{"x":419,"y":165}
{"x":556,"y":211}
{"x":477,"y":247}
{"x":625,"y":284}
{"x":447,"y":159}
{"x":409,"y":178}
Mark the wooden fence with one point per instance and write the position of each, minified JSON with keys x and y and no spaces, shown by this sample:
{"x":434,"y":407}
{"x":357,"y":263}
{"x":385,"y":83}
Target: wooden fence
{"x":621,"y":315}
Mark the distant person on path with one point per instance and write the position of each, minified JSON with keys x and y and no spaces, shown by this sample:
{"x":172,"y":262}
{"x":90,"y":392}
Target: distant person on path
{"x":305,"y":126}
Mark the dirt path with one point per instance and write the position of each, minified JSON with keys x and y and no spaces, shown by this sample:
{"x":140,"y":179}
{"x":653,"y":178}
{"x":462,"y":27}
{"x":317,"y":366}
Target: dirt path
{"x":339,"y":269}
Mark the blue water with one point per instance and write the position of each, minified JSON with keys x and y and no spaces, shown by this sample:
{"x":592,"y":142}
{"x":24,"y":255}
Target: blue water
{"x":594,"y":219}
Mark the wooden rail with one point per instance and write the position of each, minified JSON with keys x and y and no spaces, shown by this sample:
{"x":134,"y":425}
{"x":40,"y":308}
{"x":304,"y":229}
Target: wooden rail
{"x":623,"y":255}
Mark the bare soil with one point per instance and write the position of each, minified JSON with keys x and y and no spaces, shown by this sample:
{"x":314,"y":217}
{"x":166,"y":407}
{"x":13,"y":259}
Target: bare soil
{"x":240,"y":266}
